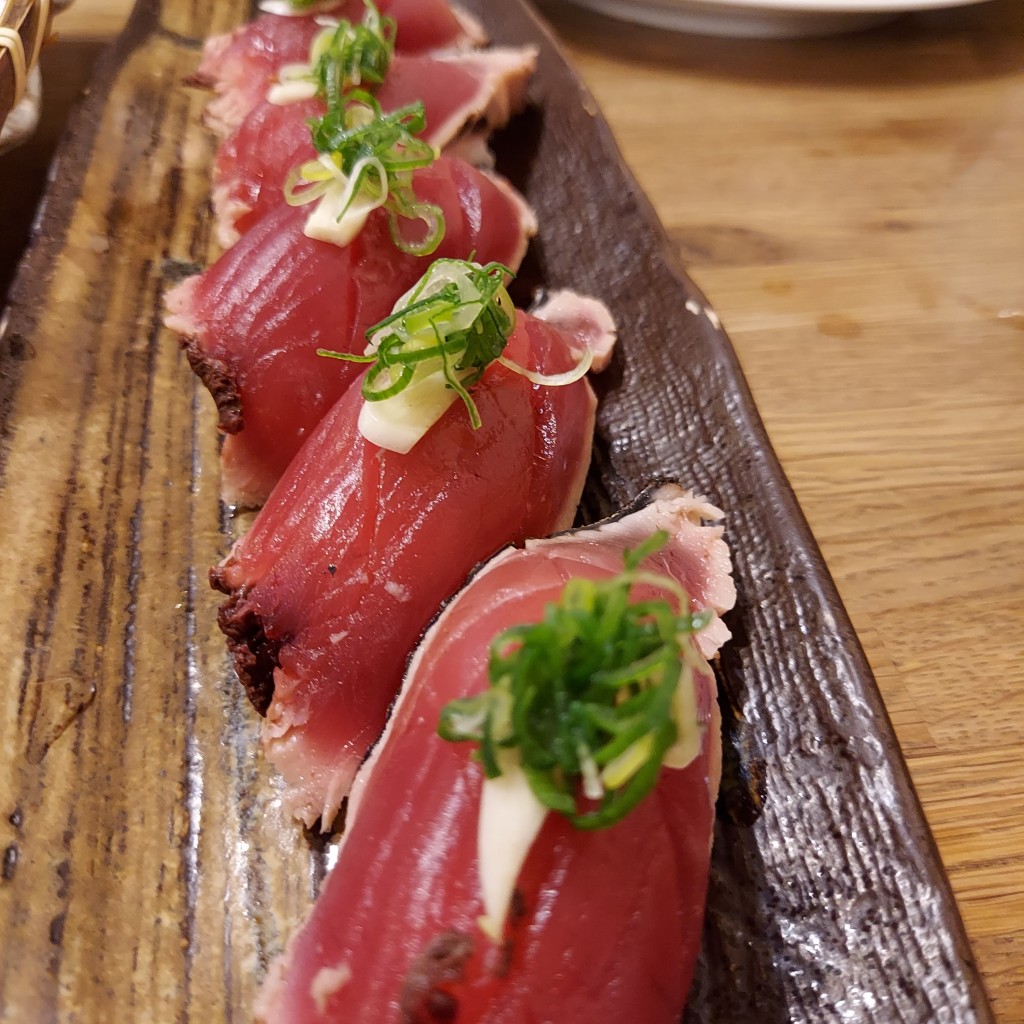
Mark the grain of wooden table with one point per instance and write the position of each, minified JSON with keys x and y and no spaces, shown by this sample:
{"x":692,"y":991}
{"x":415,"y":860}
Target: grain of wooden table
{"x":854,"y":209}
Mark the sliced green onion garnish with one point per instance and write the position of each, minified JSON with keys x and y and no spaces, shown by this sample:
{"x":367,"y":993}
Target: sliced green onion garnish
{"x":366,"y":159}
{"x":457,"y":320}
{"x":350,"y":55}
{"x":552,"y":380}
{"x":450,"y":327}
{"x":345,"y":56}
{"x":588,"y":698}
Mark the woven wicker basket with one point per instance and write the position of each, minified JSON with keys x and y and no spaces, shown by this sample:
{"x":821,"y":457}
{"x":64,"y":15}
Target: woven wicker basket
{"x":24,"y":26}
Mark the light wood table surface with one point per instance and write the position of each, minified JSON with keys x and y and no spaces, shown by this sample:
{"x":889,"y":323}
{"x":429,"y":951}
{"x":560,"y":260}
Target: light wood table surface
{"x":854,"y":209}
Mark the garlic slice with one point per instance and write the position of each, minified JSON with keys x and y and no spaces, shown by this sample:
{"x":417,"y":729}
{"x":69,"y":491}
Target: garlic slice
{"x":510,"y":820}
{"x":291,"y":88}
{"x":400,"y":421}
{"x":341,"y":212}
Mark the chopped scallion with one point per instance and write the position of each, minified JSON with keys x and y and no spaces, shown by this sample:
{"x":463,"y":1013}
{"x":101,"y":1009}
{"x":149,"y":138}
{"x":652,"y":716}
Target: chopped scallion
{"x":588,"y":697}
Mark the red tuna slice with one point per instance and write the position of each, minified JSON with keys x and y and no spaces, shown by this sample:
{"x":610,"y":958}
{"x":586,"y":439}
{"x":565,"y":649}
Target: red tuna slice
{"x":239,"y":66}
{"x":458,"y":91}
{"x":253,"y":321}
{"x":357,"y":547}
{"x":608,"y":922}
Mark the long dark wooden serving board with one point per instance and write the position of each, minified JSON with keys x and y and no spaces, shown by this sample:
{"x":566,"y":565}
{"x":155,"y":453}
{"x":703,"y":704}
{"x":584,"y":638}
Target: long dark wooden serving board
{"x":146,"y":868}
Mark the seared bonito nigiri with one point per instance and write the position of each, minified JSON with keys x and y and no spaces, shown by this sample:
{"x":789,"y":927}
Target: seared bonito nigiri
{"x":449,"y":451}
{"x":530,"y":840}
